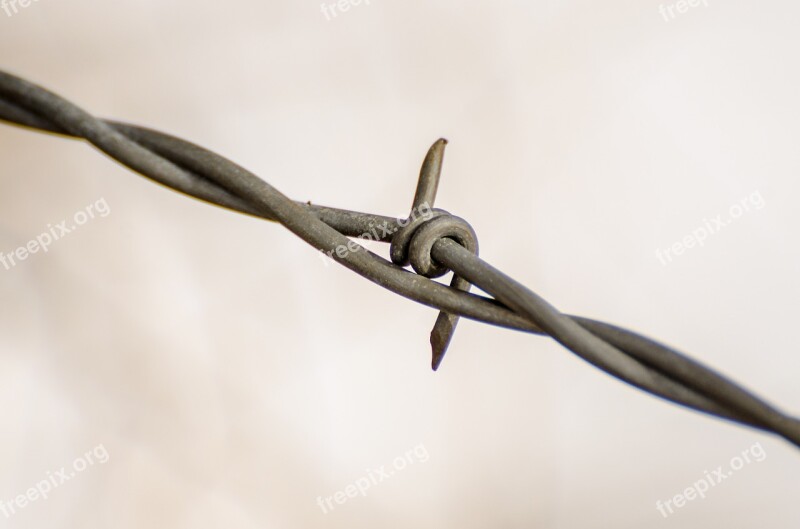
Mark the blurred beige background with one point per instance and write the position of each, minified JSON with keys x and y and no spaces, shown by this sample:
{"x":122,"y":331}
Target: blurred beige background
{"x":233,"y":378}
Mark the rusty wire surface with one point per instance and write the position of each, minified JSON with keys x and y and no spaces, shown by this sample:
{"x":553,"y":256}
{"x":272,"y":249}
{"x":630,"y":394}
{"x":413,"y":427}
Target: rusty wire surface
{"x":431,"y":240}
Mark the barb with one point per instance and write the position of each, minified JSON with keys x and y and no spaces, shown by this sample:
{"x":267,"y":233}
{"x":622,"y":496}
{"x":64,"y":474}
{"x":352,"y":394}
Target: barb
{"x":432,"y":246}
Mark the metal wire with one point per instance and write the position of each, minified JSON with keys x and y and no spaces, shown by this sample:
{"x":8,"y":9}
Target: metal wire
{"x":433,"y":245}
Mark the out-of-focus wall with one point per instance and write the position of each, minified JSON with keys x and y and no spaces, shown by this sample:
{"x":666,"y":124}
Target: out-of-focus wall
{"x":194,"y":368}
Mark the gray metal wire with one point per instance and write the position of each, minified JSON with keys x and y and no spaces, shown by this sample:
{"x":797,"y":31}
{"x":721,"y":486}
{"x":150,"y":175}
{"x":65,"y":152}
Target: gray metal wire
{"x":432,"y":245}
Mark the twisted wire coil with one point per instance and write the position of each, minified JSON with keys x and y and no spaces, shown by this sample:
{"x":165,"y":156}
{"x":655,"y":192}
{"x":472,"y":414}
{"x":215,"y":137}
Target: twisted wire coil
{"x":433,"y":246}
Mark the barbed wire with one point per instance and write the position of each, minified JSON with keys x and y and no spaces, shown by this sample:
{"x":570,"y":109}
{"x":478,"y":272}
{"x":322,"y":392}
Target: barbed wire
{"x":432,"y":244}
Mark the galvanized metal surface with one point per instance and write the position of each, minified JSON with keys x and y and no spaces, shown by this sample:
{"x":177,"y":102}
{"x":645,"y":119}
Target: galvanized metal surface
{"x":432,"y":245}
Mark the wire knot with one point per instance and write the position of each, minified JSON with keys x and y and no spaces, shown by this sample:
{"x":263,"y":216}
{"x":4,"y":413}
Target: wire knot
{"x":414,"y":242}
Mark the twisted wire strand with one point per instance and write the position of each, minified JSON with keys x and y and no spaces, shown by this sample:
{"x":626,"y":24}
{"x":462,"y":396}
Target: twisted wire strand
{"x":432,"y":248}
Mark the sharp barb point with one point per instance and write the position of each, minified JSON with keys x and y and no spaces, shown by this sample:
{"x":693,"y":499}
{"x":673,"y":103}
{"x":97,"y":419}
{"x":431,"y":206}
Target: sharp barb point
{"x":429,"y":175}
{"x":445,"y":327}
